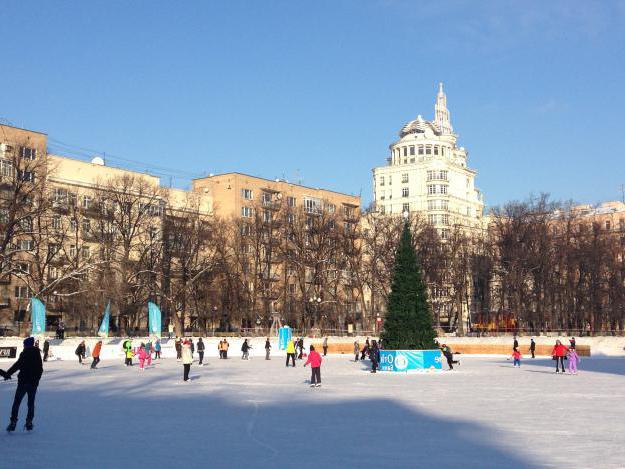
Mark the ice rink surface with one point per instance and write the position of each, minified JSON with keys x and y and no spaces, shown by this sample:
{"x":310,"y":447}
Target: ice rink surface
{"x":257,"y":413}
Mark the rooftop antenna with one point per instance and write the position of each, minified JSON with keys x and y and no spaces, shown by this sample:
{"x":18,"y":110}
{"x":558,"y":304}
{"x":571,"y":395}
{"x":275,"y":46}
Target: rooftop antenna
{"x":298,"y":177}
{"x":623,"y":193}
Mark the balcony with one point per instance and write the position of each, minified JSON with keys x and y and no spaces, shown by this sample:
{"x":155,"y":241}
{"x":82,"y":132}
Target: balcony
{"x":271,"y":204}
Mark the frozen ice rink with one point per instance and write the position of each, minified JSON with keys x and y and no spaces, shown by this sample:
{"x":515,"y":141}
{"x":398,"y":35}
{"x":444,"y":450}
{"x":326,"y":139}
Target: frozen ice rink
{"x":257,"y":413}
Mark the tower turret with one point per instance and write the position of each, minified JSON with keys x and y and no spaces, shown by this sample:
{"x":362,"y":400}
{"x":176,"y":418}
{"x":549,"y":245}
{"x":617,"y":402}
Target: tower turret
{"x":441,"y":114}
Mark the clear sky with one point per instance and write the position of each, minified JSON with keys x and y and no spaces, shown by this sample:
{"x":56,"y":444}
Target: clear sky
{"x":316,"y":91}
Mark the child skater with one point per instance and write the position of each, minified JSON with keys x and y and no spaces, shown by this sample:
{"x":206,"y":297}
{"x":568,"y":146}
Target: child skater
{"x":314,"y":359}
{"x":516,"y":355}
{"x":573,"y":360}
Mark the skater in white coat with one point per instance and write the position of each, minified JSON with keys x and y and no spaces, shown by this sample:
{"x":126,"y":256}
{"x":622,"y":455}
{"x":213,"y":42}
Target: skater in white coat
{"x":187,"y":359}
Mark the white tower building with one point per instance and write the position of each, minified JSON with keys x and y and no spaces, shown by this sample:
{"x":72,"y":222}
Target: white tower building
{"x":427,"y":172}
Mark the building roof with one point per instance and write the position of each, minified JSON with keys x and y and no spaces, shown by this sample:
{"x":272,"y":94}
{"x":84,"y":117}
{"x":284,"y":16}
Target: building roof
{"x":418,"y":126}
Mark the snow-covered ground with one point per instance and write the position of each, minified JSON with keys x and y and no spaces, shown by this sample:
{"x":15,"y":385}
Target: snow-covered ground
{"x":257,"y":413}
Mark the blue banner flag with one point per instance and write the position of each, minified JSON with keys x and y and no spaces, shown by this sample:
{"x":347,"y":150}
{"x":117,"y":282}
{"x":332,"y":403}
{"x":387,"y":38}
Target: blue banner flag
{"x":409,"y":360}
{"x":284,"y":335}
{"x":104,"y":327}
{"x":154,"y":319}
{"x":38,"y":316}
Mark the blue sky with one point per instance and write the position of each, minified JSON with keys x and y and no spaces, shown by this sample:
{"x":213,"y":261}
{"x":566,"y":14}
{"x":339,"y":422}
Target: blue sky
{"x":316,"y":91}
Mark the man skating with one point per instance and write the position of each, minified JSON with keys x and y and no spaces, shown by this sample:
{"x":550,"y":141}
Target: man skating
{"x":533,"y":347}
{"x":290,"y":352}
{"x":30,"y":367}
{"x":96,"y":355}
{"x":449,"y":355}
{"x":267,"y":349}
{"x":200,"y":351}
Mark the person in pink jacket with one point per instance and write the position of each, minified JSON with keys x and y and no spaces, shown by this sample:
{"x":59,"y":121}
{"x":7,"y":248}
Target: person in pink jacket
{"x":143,"y":356}
{"x":314,"y":359}
{"x":574,"y":359}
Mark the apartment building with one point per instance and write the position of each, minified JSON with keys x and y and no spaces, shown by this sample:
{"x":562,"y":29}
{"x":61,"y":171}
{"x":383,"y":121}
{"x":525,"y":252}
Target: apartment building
{"x":427,"y":172}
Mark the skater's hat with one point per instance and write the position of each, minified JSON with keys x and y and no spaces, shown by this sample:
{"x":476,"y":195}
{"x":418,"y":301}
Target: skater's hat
{"x":29,"y":342}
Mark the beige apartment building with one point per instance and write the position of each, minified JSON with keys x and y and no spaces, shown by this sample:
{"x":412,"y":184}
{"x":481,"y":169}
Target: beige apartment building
{"x":237,"y":195}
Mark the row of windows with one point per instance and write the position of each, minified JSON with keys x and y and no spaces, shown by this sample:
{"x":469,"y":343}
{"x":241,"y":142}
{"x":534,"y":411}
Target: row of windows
{"x":420,"y":150}
{"x":26,"y":153}
{"x":437,"y":204}
{"x":437,"y":189}
{"x":432,"y":175}
{"x":438,"y":219}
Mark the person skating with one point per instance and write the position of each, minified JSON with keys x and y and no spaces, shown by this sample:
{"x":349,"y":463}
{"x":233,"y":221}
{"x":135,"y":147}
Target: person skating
{"x":80,"y":351}
{"x":128,"y":353}
{"x":532,"y":347}
{"x":290,"y":352}
{"x":30,"y":367}
{"x":245,"y":348}
{"x":192,"y":347}
{"x":515,"y":344}
{"x":178,"y":345}
{"x":449,"y":355}
{"x":300,"y":347}
{"x":200,"y":351}
{"x":157,"y":349}
{"x":325,"y":346}
{"x":516,"y":356}
{"x":143,"y":355}
{"x":573,"y":359}
{"x":314,"y":359}
{"x":374,"y":356}
{"x":558,"y":353}
{"x":187,"y":359}
{"x":365,"y":349}
{"x":148,"y":348}
{"x":267,"y":349}
{"x":356,"y":351}
{"x":96,"y":355}
{"x":46,"y":350}
{"x":220,"y":349}
{"x":572,"y":342}
{"x":226,"y":346}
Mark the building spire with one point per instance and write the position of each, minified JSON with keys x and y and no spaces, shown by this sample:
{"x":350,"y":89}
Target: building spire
{"x":441,"y":114}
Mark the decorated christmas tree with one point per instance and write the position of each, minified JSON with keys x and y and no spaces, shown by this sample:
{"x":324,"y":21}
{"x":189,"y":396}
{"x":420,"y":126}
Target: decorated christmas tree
{"x":408,"y":322}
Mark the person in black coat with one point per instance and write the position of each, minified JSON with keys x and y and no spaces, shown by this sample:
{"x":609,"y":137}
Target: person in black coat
{"x":46,"y":350}
{"x":533,"y":347}
{"x":30,"y":367}
{"x":245,"y":348}
{"x":267,"y":349}
{"x":374,"y":356}
{"x":81,"y":350}
{"x":200,"y":351}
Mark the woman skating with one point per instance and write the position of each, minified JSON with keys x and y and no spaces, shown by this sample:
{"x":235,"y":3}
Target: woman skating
{"x":314,"y":359}
{"x":187,"y":359}
{"x":80,"y":351}
{"x":558,"y":353}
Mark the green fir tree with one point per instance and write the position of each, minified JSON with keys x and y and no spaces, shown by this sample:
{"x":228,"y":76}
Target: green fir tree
{"x":408,"y":322}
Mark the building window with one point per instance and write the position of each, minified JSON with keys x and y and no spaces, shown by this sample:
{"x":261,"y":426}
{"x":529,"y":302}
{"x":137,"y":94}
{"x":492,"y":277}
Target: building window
{"x":621,"y":224}
{"x":404,"y":192}
{"x":443,"y":151}
{"x":56,"y":222}
{"x":247,"y":194}
{"x":412,"y":150}
{"x":404,"y":178}
{"x":290,"y":217}
{"x":607,"y":225}
{"x":267,"y":198}
{"x":246,"y":212}
{"x":22,"y":292}
{"x":405,"y":151}
{"x":266,"y":216}
{"x":443,"y":189}
{"x":27,"y":245}
{"x":28,"y":153}
{"x":382,"y":195}
{"x":85,"y":252}
{"x":330,"y":208}
{"x":420,"y":149}
{"x":433,"y":219}
{"x":405,"y":208}
{"x":432,"y":189}
{"x":436,"y":149}
{"x":290,"y":201}
{"x":445,"y":219}
{"x":428,"y":149}
{"x":6,"y":168}
{"x":312,"y":205}
{"x":390,"y":180}
{"x":86,"y":225}
{"x":382,"y":209}
{"x":381,"y":180}
{"x":86,"y":201}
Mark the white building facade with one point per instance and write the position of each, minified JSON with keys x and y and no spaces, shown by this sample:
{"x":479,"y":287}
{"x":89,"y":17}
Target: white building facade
{"x":428,"y":173}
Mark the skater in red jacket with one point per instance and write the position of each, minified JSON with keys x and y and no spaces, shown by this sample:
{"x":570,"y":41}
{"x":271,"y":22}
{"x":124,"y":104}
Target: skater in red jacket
{"x":558,"y":353}
{"x":314,"y":359}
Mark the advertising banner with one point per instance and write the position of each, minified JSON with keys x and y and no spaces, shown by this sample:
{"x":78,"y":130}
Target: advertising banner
{"x":154,"y":319}
{"x":38,"y":315}
{"x":284,"y":335}
{"x":104,"y":327}
{"x":410,"y":360}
